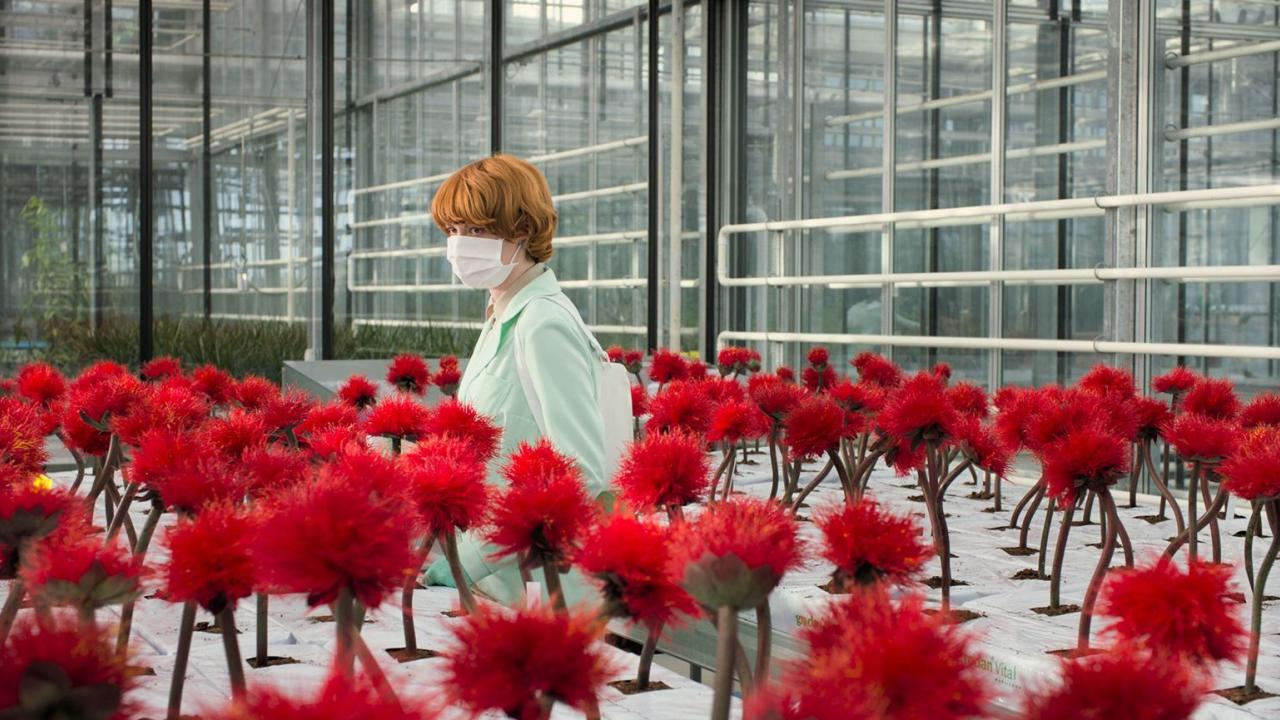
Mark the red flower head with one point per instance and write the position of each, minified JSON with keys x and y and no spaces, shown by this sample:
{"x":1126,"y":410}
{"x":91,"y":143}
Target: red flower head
{"x":254,"y":391}
{"x":56,"y":667}
{"x":630,"y":558}
{"x":509,"y":660}
{"x":639,"y":401}
{"x":409,"y":374}
{"x":1015,"y":407}
{"x":968,"y":399}
{"x":1061,"y":412}
{"x":448,"y":377}
{"x":358,"y":392}
{"x":330,"y":442}
{"x":615,"y":354}
{"x":818,"y":378}
{"x":785,"y":374}
{"x":697,"y":370}
{"x":903,"y":458}
{"x":867,"y":544}
{"x":1124,"y":683}
{"x":1262,"y":410}
{"x":735,"y":421}
{"x":666,"y":366}
{"x":537,"y":462}
{"x":334,"y":413}
{"x":877,"y":370}
{"x":1204,"y":629}
{"x":236,"y":432}
{"x":1089,"y":457}
{"x":861,"y":398}
{"x":545,"y":519}
{"x":633,"y":360}
{"x":28,"y":513}
{"x":681,"y":405}
{"x":814,"y":427}
{"x":21,"y":436}
{"x":460,"y":420}
{"x":732,"y":360}
{"x":664,"y":470}
{"x":326,"y":535}
{"x":446,"y":485}
{"x":735,"y":553}
{"x":75,"y":568}
{"x":285,"y":411}
{"x":942,"y":371}
{"x":211,"y":558}
{"x":341,"y":697}
{"x":818,"y":357}
{"x":983,"y":446}
{"x":774,"y":396}
{"x":398,"y":416}
{"x":1108,"y":381}
{"x":872,"y":658}
{"x":161,"y":368}
{"x":271,"y":468}
{"x":183,"y":470}
{"x":41,"y":383}
{"x":1250,"y":474}
{"x":363,"y":467}
{"x":918,"y":411}
{"x":172,"y":407}
{"x":1152,"y":416}
{"x":722,"y":390}
{"x":96,"y":398}
{"x":1176,"y":381}
{"x":1212,"y":398}
{"x":1203,"y":438}
{"x":215,"y":383}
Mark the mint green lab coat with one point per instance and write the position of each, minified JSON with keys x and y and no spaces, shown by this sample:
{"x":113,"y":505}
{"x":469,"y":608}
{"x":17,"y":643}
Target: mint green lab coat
{"x":563,"y":371}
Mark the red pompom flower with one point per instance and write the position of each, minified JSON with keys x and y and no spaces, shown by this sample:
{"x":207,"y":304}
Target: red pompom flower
{"x":359,"y":392}
{"x":546,"y":518}
{"x":1262,"y":410}
{"x":1128,"y":683}
{"x":1250,"y":474}
{"x":56,"y":667}
{"x":75,"y":568}
{"x":877,"y":370}
{"x":814,"y":427}
{"x":1175,"y":382}
{"x":680,"y":406}
{"x":868,"y":544}
{"x":41,"y":383}
{"x":1202,"y":437}
{"x":446,"y":485}
{"x":735,"y":553}
{"x":399,"y":417}
{"x":1087,"y":458}
{"x":254,"y":391}
{"x":736,"y":421}
{"x":161,"y":368}
{"x":211,"y":558}
{"x":664,"y":471}
{"x":215,"y":383}
{"x":666,"y":366}
{"x":918,"y":411}
{"x":454,"y":418}
{"x":630,"y":558}
{"x":409,"y":374}
{"x":448,"y":377}
{"x":1214,"y":398}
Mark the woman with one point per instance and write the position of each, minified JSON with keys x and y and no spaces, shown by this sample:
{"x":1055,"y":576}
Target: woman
{"x":499,"y":218}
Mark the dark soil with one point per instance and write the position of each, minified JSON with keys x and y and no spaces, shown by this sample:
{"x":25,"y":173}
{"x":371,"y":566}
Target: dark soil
{"x":1028,"y":574}
{"x":1238,"y":696}
{"x":329,"y":618}
{"x":989,"y":510}
{"x":403,"y":656}
{"x":1153,"y":519}
{"x":935,"y":582}
{"x":1056,"y":611}
{"x":454,"y":613}
{"x":916,"y":498}
{"x":207,"y":627}
{"x":958,"y":617}
{"x":1238,"y":597}
{"x":272,"y":661}
{"x":139,"y":671}
{"x":831,"y":588}
{"x":628,"y":687}
{"x":1074,"y":653}
{"x":980,"y":495}
{"x":1020,"y":551}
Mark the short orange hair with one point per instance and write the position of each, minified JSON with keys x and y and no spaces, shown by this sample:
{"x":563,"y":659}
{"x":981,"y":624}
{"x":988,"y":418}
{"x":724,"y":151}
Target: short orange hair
{"x":504,"y":195}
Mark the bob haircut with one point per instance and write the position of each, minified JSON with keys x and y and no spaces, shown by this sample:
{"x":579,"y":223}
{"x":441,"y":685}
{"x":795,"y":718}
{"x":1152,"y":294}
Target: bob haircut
{"x":504,"y":195}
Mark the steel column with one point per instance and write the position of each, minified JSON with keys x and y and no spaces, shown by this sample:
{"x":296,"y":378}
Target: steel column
{"x":327,"y":234}
{"x":146,"y":186}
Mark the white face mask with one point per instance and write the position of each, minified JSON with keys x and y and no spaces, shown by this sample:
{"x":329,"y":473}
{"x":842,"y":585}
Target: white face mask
{"x":477,"y":261}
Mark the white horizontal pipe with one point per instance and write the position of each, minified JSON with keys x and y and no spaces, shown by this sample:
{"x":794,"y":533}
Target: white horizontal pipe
{"x":410,"y":219}
{"x":1077,"y":276}
{"x":400,"y":184}
{"x":974,"y":159}
{"x":242,"y":316}
{"x":589,"y":149}
{"x":1173,"y":134}
{"x":1015,"y":89}
{"x":567,"y":197}
{"x":1175,"y":60}
{"x":246,"y":264}
{"x":381,"y":322}
{"x":607,"y":283}
{"x":1017,"y":344}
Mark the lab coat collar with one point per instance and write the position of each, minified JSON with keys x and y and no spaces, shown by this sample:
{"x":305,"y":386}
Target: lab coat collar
{"x":545,"y":285}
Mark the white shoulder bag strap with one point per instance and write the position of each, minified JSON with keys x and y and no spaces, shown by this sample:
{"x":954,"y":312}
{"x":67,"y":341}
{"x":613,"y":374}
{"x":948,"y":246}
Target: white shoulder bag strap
{"x":531,"y":396}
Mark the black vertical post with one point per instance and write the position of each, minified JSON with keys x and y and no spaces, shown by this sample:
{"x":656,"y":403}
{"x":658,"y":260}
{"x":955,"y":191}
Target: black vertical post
{"x":106,"y":46}
{"x":651,"y":336}
{"x":495,"y":76}
{"x":932,"y":257}
{"x":99,"y":252}
{"x":88,"y":48}
{"x":146,"y":342}
{"x":326,"y":180}
{"x":1184,"y":119}
{"x":206,"y":157}
{"x":712,"y":42}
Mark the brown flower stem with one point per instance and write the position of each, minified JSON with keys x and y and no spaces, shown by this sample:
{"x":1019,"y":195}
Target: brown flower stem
{"x":344,"y":616}
{"x":1192,"y":514}
{"x":733,"y":468}
{"x":1105,"y":505}
{"x":1039,"y":492}
{"x":185,"y":628}
{"x":122,"y":512}
{"x":360,"y":611}
{"x":106,"y":473}
{"x":727,"y":457}
{"x":125,"y":627}
{"x":952,"y":476}
{"x":1059,"y":556}
{"x":1259,"y":595}
{"x":261,"y":615}
{"x":1088,"y":510}
{"x":999,"y":491}
{"x":773,"y":460}
{"x":231,"y":646}
{"x":1134,"y":472}
{"x":764,"y":640}
{"x":1185,"y":536}
{"x":929,"y":481}
{"x":374,"y":670}
{"x":406,"y":613}
{"x":449,"y":541}
{"x":1027,"y":497}
{"x":646,"y":656}
{"x":795,"y":506}
{"x":1215,"y":537}
{"x":395,"y":445}
{"x":545,"y":704}
{"x":726,"y":649}
{"x":845,"y":484}
{"x":13,"y":603}
{"x":552,"y":575}
{"x":986,"y":481}
{"x":1166,"y":497}
{"x":75,"y":455}
{"x":1255,"y":524}
{"x":1125,"y":545}
{"x":675,"y":514}
{"x":522,"y":562}
{"x":1044,"y":537}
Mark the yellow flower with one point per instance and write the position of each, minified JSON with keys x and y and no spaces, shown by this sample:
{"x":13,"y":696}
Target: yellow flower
{"x":42,"y":482}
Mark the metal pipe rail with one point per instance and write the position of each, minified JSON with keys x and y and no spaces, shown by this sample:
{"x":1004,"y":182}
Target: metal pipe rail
{"x":416,"y":218}
{"x":597,"y":284}
{"x":476,"y":325}
{"x":233,"y":265}
{"x":974,"y":159}
{"x":1177,"y":60}
{"x":1077,"y":276}
{"x":1173,"y":134}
